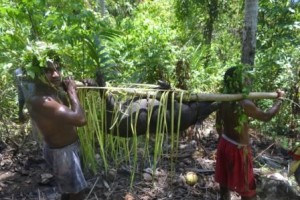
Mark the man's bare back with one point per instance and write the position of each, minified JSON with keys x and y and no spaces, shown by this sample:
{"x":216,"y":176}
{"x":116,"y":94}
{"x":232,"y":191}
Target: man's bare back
{"x":234,"y":165}
{"x":233,"y":118}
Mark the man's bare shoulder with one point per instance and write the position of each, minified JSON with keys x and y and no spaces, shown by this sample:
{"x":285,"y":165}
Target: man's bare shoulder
{"x":43,"y":102}
{"x":253,"y":111}
{"x":39,"y":99}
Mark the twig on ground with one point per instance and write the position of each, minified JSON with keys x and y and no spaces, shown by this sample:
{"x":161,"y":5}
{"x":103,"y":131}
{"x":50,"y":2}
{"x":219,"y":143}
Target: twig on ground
{"x":201,"y":170}
{"x":205,"y":150}
{"x":264,"y":151}
{"x":254,"y":136}
{"x":87,"y":197}
{"x":39,"y":195}
{"x":95,"y":196}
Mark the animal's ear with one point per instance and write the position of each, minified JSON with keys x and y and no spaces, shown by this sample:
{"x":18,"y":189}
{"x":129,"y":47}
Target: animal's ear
{"x":89,"y":82}
{"x":164,"y":85}
{"x":206,"y":109}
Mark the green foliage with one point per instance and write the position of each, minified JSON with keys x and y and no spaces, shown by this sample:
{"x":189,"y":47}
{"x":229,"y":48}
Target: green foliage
{"x":72,"y":28}
{"x":277,"y":45}
{"x":277,"y":58}
{"x":146,"y":53}
{"x":213,"y":33}
{"x":121,"y":9}
{"x":7,"y":104}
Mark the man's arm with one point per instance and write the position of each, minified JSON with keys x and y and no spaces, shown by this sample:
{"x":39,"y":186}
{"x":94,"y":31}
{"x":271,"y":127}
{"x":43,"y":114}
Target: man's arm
{"x":253,"y":111}
{"x":78,"y":114}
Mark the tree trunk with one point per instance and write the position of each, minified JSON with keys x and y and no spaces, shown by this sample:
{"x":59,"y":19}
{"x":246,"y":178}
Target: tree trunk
{"x":249,"y":32}
{"x":209,"y":27}
{"x":102,"y":7}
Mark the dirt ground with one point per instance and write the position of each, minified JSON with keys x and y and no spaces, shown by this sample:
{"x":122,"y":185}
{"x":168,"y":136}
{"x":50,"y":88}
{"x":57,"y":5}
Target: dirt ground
{"x":25,"y":175}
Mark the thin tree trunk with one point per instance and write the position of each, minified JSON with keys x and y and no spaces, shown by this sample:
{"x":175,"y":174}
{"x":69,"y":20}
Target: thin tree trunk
{"x":249,"y":32}
{"x":102,"y":7}
{"x":34,"y":35}
{"x":209,"y":27}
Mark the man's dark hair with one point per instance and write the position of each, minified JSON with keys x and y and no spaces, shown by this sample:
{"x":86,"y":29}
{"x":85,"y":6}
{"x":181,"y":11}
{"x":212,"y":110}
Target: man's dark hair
{"x":233,"y":80}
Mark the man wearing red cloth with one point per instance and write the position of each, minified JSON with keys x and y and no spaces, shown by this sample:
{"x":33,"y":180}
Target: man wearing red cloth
{"x":295,"y":165}
{"x":234,"y":170}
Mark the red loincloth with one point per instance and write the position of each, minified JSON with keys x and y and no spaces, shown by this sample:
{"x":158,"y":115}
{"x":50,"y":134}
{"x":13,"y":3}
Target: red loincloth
{"x":294,"y":154}
{"x":234,"y":168}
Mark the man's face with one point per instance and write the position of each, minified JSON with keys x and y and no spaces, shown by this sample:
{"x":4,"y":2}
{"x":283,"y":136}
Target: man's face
{"x":53,"y":73}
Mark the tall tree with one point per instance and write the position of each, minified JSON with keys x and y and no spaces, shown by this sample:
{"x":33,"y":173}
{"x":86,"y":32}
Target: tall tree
{"x":209,"y":27}
{"x":249,"y":32}
{"x":102,"y":7}
{"x":202,"y":14}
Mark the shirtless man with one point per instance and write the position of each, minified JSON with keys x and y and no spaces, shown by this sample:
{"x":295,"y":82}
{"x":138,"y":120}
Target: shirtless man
{"x":234,"y":170}
{"x":57,"y":122}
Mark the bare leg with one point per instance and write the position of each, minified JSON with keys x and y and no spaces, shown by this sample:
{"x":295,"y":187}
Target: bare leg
{"x":225,"y":194}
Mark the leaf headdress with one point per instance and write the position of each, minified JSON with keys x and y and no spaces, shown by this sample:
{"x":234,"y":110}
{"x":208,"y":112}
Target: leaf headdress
{"x":35,"y":58}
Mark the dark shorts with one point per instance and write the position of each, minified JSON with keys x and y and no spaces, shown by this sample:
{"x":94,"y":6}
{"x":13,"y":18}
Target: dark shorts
{"x":65,"y":164}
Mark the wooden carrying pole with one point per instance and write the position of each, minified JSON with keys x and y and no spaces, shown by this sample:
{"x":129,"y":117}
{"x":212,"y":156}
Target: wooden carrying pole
{"x":185,"y":95}
{"x":231,"y":97}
